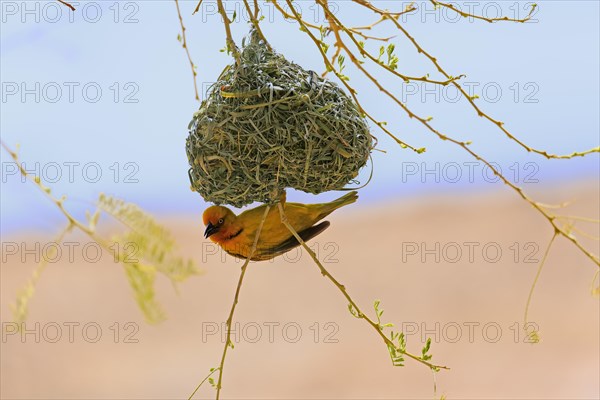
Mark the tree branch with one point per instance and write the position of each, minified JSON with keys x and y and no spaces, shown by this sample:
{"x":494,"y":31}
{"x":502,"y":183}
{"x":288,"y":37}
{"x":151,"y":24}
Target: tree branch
{"x":344,"y":292}
{"x":187,"y":50}
{"x":235,"y":301}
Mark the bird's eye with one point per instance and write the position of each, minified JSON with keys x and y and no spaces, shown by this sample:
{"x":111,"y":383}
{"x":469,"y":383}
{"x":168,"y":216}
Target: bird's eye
{"x":221,"y":221}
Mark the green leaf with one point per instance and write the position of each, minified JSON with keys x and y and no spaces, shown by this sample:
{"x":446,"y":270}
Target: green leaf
{"x":402,"y":342}
{"x":390,"y":49}
{"x":141,"y":279}
{"x":426,"y":347}
{"x":151,"y":242}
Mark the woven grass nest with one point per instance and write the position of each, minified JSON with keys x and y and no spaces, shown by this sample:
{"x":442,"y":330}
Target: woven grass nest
{"x":266,"y":125}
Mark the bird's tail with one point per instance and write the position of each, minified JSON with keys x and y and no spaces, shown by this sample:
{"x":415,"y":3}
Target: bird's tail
{"x":342,"y":201}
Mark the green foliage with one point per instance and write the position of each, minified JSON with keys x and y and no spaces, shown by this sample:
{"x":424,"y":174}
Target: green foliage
{"x":153,"y":243}
{"x":392,"y":61}
{"x":158,"y":250}
{"x":425,"y":349}
{"x":153,"y":251}
{"x":20,"y":308}
{"x":533,"y":337}
{"x":353,"y":311}
{"x":141,"y":279}
{"x":144,"y":249}
{"x":397,"y":351}
{"x":397,"y":344}
{"x":208,"y":378}
{"x":323,"y":33}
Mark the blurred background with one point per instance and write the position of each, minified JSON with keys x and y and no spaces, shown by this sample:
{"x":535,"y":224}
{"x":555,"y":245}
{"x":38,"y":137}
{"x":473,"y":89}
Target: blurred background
{"x":99,"y":101}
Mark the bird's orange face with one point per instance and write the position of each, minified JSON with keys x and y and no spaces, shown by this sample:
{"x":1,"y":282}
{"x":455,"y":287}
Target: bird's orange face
{"x":217,"y":220}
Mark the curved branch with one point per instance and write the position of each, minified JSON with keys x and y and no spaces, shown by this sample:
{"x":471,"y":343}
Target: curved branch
{"x":480,"y":113}
{"x":344,"y":292}
{"x":425,"y":122}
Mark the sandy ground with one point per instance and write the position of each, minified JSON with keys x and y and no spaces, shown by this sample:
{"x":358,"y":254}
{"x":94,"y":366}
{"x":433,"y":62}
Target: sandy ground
{"x":296,"y":338}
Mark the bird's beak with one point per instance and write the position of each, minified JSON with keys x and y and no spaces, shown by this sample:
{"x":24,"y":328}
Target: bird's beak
{"x":210,"y":230}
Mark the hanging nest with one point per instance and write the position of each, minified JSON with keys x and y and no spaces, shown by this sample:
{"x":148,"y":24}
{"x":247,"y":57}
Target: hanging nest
{"x":266,"y":125}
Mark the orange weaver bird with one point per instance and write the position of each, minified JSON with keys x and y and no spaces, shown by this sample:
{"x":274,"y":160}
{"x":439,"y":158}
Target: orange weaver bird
{"x":235,"y":233}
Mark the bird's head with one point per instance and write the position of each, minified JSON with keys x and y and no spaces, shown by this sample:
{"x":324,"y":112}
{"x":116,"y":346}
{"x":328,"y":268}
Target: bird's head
{"x":219,"y":222}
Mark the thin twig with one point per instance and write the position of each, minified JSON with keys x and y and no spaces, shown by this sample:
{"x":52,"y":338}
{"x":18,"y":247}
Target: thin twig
{"x":480,"y":17}
{"x":254,"y":19}
{"x":231,"y":47}
{"x":122,"y":256}
{"x":380,"y":124}
{"x":187,"y":50}
{"x":21,"y":307}
{"x":197,"y":7}
{"x":351,"y":31}
{"x":464,"y":145}
{"x":576,"y":218}
{"x":537,"y":276}
{"x":584,"y":233}
{"x":201,"y":383}
{"x":67,"y":4}
{"x":344,"y":292}
{"x":38,"y":183}
{"x":336,"y":22}
{"x":595,"y":290}
{"x":357,"y":29}
{"x":235,"y":300}
{"x":338,"y":50}
{"x":469,"y":98}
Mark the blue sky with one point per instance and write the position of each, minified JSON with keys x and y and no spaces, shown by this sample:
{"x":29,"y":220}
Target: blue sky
{"x":108,"y":89}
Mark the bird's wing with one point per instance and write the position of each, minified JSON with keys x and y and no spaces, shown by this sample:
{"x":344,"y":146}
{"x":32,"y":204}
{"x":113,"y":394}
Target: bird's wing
{"x":292,"y":242}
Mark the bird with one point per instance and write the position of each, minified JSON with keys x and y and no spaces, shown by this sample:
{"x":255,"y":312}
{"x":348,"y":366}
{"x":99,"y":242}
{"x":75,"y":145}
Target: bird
{"x":235,"y":233}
